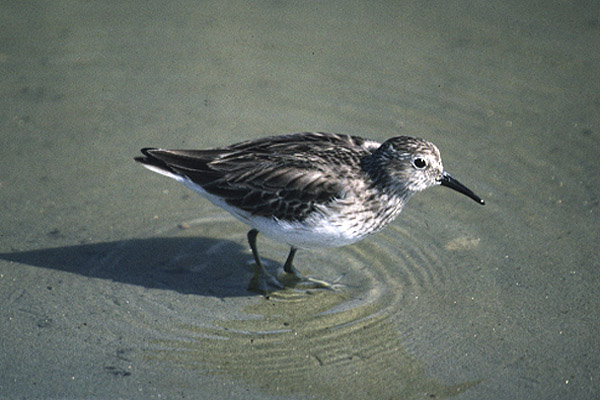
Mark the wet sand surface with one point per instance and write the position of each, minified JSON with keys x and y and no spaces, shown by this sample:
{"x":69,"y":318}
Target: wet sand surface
{"x":118,"y":283}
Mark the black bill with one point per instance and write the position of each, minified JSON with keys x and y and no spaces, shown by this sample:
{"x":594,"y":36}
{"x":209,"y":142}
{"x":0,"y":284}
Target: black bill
{"x":449,"y":181}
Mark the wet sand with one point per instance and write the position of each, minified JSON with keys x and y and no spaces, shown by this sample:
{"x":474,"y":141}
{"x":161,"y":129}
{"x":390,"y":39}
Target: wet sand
{"x":118,"y":283}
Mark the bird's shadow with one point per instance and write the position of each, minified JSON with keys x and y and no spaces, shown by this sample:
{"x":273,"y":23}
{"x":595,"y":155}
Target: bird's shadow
{"x":202,"y":266}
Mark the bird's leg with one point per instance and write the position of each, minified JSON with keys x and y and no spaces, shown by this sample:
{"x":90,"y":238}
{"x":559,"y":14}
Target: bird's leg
{"x":262,"y":279}
{"x":263,"y":282}
{"x":288,"y":267}
{"x":252,"y":233}
{"x":298,"y":278}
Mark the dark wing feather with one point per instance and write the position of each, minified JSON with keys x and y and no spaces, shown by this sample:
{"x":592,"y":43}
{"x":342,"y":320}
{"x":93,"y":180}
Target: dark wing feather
{"x":284,"y":177}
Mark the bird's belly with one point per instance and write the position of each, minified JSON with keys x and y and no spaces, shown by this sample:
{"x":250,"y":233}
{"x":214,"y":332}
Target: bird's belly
{"x":320,"y":230}
{"x":307,"y":234}
{"x":315,"y":232}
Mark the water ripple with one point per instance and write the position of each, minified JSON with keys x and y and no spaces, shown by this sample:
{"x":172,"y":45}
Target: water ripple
{"x":290,"y":341}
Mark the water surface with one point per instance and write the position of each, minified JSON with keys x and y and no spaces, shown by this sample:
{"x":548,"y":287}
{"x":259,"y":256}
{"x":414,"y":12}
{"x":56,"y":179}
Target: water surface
{"x":116,"y":282}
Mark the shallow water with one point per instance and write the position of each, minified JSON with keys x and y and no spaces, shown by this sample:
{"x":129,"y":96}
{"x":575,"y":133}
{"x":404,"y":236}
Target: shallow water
{"x":116,"y":282}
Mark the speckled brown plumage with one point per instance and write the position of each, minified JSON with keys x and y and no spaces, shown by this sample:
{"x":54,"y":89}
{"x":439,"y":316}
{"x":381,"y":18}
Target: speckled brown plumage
{"x":309,"y":189}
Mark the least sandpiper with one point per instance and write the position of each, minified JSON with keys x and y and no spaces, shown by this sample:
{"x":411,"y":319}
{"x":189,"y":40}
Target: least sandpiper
{"x":309,"y":190}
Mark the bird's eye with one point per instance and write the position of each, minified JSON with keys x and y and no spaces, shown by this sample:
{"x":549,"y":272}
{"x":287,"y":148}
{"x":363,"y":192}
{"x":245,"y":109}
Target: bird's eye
{"x":419,"y":163}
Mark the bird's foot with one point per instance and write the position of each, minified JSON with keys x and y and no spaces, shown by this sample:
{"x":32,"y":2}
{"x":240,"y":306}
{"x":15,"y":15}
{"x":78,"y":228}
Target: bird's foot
{"x":298,"y":281}
{"x":264,"y":283}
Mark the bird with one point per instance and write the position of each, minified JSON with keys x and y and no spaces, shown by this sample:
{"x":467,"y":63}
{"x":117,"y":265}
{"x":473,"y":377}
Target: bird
{"x":308,"y":190}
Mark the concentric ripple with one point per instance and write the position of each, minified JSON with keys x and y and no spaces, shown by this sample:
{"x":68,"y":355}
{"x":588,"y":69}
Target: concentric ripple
{"x":194,"y":307}
{"x":181,"y":296}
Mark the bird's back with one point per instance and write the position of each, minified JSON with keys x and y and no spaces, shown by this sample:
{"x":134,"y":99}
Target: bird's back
{"x":284,"y":177}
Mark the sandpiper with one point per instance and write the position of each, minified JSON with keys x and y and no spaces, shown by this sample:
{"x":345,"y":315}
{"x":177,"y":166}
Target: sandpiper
{"x":309,"y":190}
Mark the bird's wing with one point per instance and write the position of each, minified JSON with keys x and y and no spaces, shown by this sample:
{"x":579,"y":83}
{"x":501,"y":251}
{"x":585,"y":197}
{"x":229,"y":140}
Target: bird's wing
{"x":285,"y":177}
